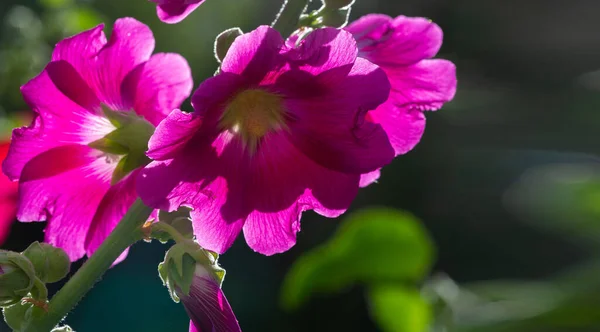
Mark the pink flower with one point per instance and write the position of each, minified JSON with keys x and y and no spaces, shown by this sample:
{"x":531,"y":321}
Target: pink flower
{"x":174,"y":11}
{"x":8,"y":198}
{"x":64,"y":173}
{"x":207,"y":306}
{"x":402,"y":47}
{"x":279,"y":131}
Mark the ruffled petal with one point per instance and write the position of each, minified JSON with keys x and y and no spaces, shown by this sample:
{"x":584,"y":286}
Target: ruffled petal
{"x":113,"y":206}
{"x":254,"y":54}
{"x":332,"y":130}
{"x":208,"y":308}
{"x":426,"y":85}
{"x":327,"y":54}
{"x":158,"y":86}
{"x":175,"y":11}
{"x":104,"y":65}
{"x":59,"y":120}
{"x":195,"y":178}
{"x":404,"y":126}
{"x":401,"y":41}
{"x":65,"y":186}
{"x":81,"y":50}
{"x":279,"y":184}
{"x":173,"y":134}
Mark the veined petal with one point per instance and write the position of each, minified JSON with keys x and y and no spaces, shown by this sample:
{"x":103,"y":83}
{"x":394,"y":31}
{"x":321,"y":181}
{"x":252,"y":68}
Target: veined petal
{"x":254,"y":54}
{"x":104,"y":65}
{"x":65,"y":186}
{"x":59,"y":120}
{"x":111,"y":209}
{"x":403,"y":126}
{"x":426,"y":85}
{"x":208,"y":307}
{"x":158,"y":86}
{"x":332,"y":130}
{"x":396,"y":41}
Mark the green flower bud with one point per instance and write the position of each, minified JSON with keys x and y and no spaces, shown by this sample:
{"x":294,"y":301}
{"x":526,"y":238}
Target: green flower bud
{"x":17,"y":315}
{"x":337,"y":4}
{"x":224,"y":40}
{"x":64,"y":328}
{"x":335,"y":18}
{"x":181,"y":261}
{"x":51,"y":264}
{"x":17,"y":277}
{"x":179,"y":220}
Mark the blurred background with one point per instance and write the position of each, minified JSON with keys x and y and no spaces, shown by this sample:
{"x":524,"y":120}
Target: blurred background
{"x":506,"y":181}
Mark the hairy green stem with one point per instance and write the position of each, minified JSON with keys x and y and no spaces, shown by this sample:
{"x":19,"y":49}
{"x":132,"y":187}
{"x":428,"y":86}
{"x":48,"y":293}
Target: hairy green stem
{"x":287,"y":20}
{"x":127,"y":232}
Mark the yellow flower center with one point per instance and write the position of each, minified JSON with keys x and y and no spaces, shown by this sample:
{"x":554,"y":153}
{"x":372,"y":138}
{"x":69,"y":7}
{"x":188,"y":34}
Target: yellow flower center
{"x":252,"y":114}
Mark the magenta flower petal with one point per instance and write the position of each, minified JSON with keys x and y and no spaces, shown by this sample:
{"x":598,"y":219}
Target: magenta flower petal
{"x":322,"y":131}
{"x":369,"y":178}
{"x":104,"y":65}
{"x":113,"y":206}
{"x":70,"y":168}
{"x":426,"y":85}
{"x":208,"y":308}
{"x":396,"y":41}
{"x":158,"y":86}
{"x":254,"y":54}
{"x":8,"y":199}
{"x":279,"y":131}
{"x":174,"y":11}
{"x":59,"y":121}
{"x":404,"y":126}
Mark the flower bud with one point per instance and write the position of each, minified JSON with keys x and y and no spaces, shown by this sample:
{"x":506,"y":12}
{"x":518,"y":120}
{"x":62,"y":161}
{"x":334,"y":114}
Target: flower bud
{"x":206,"y":304}
{"x":194,"y":277}
{"x":17,"y":277}
{"x":336,"y":18}
{"x":51,"y":264}
{"x":224,"y":40}
{"x":337,"y":4}
{"x":179,"y":220}
{"x":17,"y":315}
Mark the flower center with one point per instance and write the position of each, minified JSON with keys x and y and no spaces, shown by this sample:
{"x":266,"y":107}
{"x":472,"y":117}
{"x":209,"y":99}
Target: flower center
{"x":252,"y":114}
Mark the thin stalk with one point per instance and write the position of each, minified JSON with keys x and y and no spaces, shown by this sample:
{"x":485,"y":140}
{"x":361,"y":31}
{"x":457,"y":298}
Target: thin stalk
{"x":287,"y":20}
{"x":124,"y":235}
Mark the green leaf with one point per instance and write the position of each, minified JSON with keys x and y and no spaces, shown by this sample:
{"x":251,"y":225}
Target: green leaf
{"x":399,"y":309}
{"x":371,"y":247}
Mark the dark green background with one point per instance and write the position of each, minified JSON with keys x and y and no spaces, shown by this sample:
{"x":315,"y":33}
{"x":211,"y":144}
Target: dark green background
{"x":527,"y":96}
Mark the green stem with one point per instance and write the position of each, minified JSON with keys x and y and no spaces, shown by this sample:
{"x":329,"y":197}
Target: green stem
{"x":124,"y":235}
{"x":174,"y":233}
{"x":287,"y":20}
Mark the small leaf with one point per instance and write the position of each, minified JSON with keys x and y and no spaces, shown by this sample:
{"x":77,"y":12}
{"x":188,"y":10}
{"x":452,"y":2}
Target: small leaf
{"x":398,"y":309}
{"x":371,"y":247}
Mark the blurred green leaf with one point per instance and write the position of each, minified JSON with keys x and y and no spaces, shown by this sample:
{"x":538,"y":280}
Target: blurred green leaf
{"x":399,"y":309}
{"x":567,"y":302}
{"x":562,"y":197}
{"x":371,"y":247}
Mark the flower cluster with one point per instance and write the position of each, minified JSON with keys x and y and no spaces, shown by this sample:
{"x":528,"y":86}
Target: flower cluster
{"x":287,"y":125}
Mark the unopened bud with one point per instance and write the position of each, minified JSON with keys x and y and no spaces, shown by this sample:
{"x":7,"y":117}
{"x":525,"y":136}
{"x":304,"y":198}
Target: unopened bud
{"x":206,"y":305}
{"x":17,"y":277}
{"x":336,"y":18}
{"x":51,"y":264}
{"x":224,"y":41}
{"x":17,"y":315}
